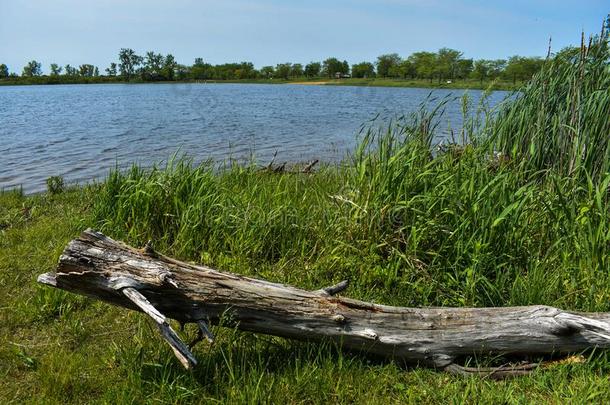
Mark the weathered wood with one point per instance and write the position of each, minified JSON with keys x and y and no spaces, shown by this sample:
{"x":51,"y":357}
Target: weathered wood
{"x":308,"y":168}
{"x":180,"y":350}
{"x":144,"y":280}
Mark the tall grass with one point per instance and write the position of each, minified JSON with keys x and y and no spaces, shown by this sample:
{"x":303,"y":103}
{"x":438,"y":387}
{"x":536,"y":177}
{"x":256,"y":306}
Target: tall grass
{"x":517,"y":215}
{"x":560,"y":120}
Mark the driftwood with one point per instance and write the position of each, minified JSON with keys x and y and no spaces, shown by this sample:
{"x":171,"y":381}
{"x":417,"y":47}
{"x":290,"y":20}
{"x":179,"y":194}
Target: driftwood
{"x":161,"y":287}
{"x":281,"y":169}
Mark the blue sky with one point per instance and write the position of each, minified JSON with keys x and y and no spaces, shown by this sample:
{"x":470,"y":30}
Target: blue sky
{"x":272,"y":31}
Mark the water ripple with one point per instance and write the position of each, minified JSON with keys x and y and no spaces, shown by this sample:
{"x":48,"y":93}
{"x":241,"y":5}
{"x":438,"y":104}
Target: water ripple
{"x":81,"y":132}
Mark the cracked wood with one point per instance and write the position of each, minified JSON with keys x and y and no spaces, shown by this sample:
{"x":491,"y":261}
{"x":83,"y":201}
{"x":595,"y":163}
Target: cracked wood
{"x":105,"y":269}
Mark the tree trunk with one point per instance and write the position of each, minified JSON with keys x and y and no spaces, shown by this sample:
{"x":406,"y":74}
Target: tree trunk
{"x":144,"y":280}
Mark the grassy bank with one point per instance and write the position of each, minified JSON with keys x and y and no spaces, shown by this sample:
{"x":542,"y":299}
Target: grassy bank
{"x":421,"y":83}
{"x":518,"y":216}
{"x":373,"y":82}
{"x":54,"y":80}
{"x":390,"y":82}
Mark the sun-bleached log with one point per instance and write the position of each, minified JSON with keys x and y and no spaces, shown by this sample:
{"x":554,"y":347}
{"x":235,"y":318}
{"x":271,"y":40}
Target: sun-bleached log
{"x":162,"y":287}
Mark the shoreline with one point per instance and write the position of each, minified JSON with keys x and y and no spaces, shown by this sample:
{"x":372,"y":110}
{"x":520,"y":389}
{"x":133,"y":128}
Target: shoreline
{"x":353,"y":82}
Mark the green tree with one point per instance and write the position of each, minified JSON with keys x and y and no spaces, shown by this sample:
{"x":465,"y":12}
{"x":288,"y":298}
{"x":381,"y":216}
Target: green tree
{"x":297,"y":70}
{"x":153,"y":63}
{"x":226,"y":71}
{"x":55,"y":69}
{"x":158,"y":67}
{"x":406,"y":69}
{"x":201,"y":70}
{"x":128,"y":62}
{"x":182,"y":72}
{"x":169,"y":67}
{"x":395,"y":71}
{"x":32,"y":69}
{"x":267,"y":72}
{"x":447,"y":60}
{"x":514,"y":68}
{"x":3,"y":71}
{"x":386,"y":62}
{"x":496,"y":68}
{"x":522,"y":68}
{"x":333,"y":66}
{"x":283,"y":70}
{"x":424,"y":64}
{"x":246,"y":71}
{"x":344,"y":68}
{"x":532,"y":66}
{"x":86,"y":70}
{"x":111,"y":70}
{"x":70,"y":71}
{"x":363,"y":69}
{"x":481,"y":70}
{"x":312,"y":69}
{"x":463,"y":68}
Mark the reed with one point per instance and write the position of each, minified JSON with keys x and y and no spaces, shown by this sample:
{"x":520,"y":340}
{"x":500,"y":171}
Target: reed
{"x":559,"y":120}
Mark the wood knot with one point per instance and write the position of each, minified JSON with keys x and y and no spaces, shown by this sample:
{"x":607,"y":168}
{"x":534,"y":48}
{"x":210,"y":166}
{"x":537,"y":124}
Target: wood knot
{"x":338,"y":318}
{"x":369,"y":334}
{"x":166,"y":278}
{"x":85,"y":261}
{"x":148,"y":249}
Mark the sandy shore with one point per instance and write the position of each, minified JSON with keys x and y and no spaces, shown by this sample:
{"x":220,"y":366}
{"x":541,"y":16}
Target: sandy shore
{"x":310,"y":83}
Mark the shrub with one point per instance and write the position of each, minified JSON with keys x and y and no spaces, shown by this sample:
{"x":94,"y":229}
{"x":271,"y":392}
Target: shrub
{"x":55,"y":184}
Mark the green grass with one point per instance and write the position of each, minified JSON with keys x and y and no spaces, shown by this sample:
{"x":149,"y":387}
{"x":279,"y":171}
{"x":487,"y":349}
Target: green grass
{"x":61,"y":348}
{"x":518,"y":215}
{"x":372,"y":82}
{"x":425,"y":83}
{"x":389,"y":82}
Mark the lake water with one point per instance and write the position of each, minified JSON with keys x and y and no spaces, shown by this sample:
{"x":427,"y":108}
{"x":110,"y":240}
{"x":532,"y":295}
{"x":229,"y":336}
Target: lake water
{"x":80,"y":132}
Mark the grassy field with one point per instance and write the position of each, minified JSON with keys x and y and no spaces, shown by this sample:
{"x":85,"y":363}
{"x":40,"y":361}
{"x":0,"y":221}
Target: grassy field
{"x":516,"y":216}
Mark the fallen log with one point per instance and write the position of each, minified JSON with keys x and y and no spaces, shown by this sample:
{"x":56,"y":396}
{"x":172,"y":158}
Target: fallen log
{"x":162,"y":287}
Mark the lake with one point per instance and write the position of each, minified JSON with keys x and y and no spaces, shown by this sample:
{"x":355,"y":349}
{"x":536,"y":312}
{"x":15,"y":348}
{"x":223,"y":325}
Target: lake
{"x":80,"y":132}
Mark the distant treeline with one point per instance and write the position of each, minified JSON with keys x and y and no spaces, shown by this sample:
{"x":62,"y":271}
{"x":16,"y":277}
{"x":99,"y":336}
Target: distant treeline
{"x":446,"y":64}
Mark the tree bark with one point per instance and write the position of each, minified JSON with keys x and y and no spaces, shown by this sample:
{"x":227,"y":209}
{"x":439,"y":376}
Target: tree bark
{"x":143,"y":280}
